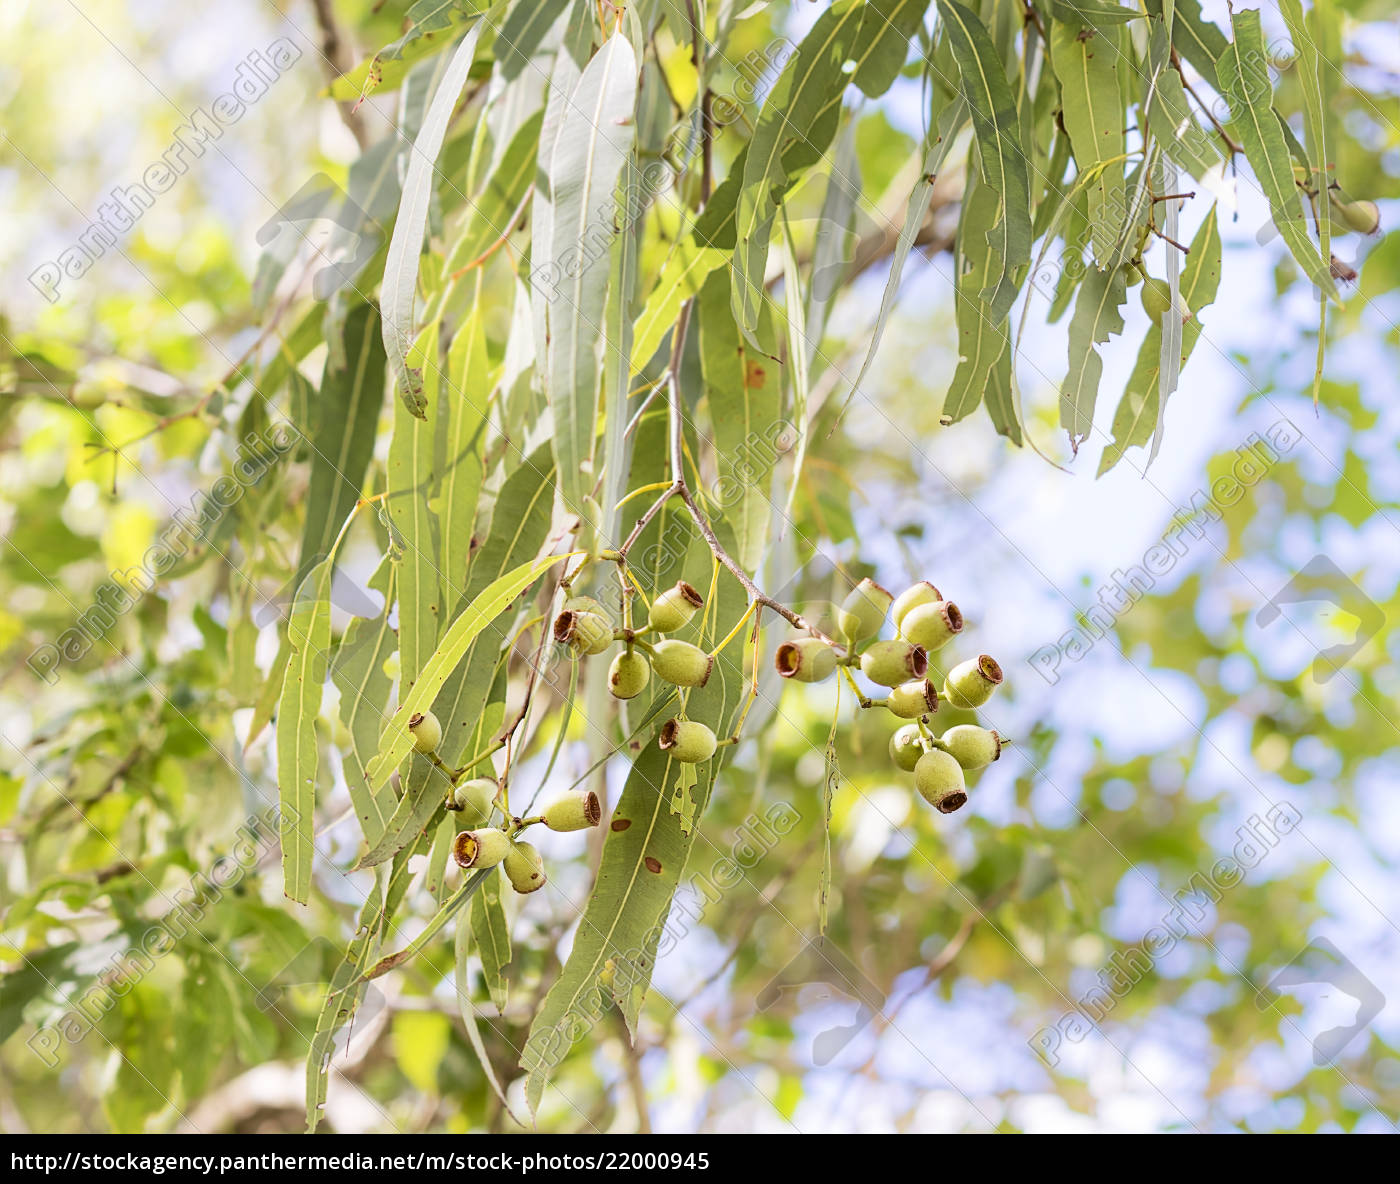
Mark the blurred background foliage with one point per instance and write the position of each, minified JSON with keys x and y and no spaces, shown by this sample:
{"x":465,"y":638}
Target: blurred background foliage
{"x":1130,"y":774}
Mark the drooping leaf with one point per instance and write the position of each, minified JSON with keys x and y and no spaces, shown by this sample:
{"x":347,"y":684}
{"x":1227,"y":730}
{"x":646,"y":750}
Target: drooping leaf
{"x":461,"y":951}
{"x":595,"y":137}
{"x":810,"y":82}
{"x":365,"y":686}
{"x":1244,"y":81}
{"x":950,"y":121}
{"x":885,"y":29}
{"x":746,"y":410}
{"x":1087,"y":63}
{"x":309,"y":634}
{"x":983,"y":336}
{"x":460,"y":432}
{"x":411,"y":479}
{"x":345,"y":420}
{"x":1002,"y":161}
{"x":521,"y":33}
{"x":1196,"y":39}
{"x":491,"y":934}
{"x":1098,"y":314}
{"x":406,"y":244}
{"x":1138,"y":412}
{"x":492,"y":209}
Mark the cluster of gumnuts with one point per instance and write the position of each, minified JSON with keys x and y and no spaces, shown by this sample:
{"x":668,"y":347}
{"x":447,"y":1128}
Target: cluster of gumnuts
{"x":483,"y":846}
{"x":584,"y":627}
{"x":924,"y":623}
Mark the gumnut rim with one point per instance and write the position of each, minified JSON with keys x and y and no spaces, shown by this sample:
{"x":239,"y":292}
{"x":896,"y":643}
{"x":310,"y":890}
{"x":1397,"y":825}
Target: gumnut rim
{"x":989,"y":668}
{"x":954,"y":801}
{"x":692,"y":597}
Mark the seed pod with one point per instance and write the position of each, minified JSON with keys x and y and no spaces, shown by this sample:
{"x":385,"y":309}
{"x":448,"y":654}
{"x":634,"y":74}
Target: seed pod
{"x":808,"y":659}
{"x":475,"y":799}
{"x":970,"y":684}
{"x":681,"y":664}
{"x":674,"y":608}
{"x":583,"y":632}
{"x":577,"y":811}
{"x":485,"y":847}
{"x":628,"y":675}
{"x":524,"y":868}
{"x":906,"y":747}
{"x":912,"y":699}
{"x":932,"y":625}
{"x":587,"y":604}
{"x":972,"y":747}
{"x":1362,"y":216}
{"x":863,"y":611}
{"x":427,"y":732}
{"x":916,"y":594}
{"x":1156,"y":299}
{"x":892,"y":662}
{"x":688,"y":740}
{"x":940,"y":782}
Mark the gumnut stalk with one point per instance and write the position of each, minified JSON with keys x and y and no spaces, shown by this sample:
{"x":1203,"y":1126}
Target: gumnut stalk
{"x":932,"y":625}
{"x":970,"y":684}
{"x":576,"y":811}
{"x":892,"y":662}
{"x":911,"y":598}
{"x":906,"y":747}
{"x":972,"y":747}
{"x":863,"y":611}
{"x":674,"y":608}
{"x":427,"y":731}
{"x":940,"y":782}
{"x":628,"y":675}
{"x":525,"y":868}
{"x":688,"y":740}
{"x":807,"y":659}
{"x":475,"y":799}
{"x":485,"y":847}
{"x":583,"y":632}
{"x":912,"y":699}
{"x":681,"y":664}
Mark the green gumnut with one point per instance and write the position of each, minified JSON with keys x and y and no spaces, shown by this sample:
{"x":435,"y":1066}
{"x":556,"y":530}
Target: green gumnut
{"x":681,"y":664}
{"x":911,"y":598}
{"x":1362,"y":216}
{"x":863,"y":611}
{"x":575,"y":811}
{"x":674,"y":608}
{"x":583,"y":632}
{"x":970,"y":684}
{"x":892,"y":662}
{"x":475,"y":798}
{"x":587,"y":604}
{"x":972,"y":747}
{"x":940,"y":782}
{"x":628,"y":675}
{"x":427,"y":731}
{"x":906,"y":747}
{"x":807,"y":659}
{"x":688,"y":740}
{"x":912,"y":699}
{"x":525,"y":868}
{"x":485,"y":847}
{"x":1156,"y":299}
{"x":932,"y":625}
